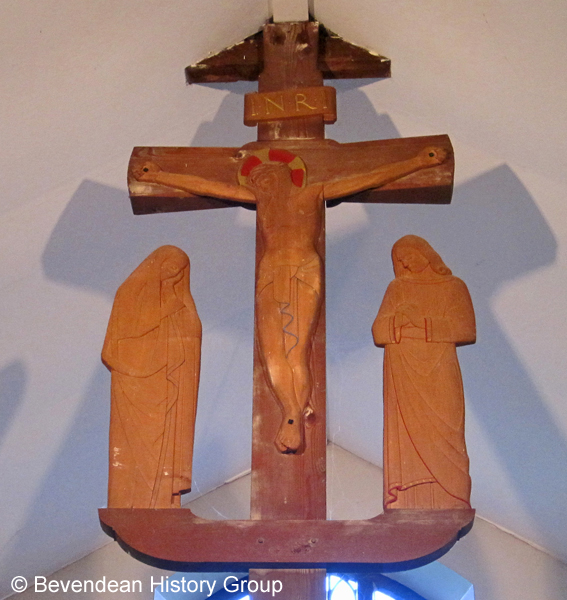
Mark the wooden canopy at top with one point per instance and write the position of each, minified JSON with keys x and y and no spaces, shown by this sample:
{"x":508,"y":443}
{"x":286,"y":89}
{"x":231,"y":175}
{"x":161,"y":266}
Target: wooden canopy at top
{"x":337,"y":59}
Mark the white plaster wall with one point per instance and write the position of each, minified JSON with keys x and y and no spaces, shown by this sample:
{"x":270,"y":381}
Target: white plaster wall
{"x":82,"y":82}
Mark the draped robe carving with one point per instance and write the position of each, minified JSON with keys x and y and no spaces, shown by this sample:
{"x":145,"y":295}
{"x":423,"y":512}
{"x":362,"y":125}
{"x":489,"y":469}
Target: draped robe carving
{"x":424,"y":315}
{"x":152,"y":349}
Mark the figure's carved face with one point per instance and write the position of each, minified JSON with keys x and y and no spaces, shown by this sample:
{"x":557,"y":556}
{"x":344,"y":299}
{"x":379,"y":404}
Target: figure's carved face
{"x":268,"y":178}
{"x":172,"y":267}
{"x":412,"y":260}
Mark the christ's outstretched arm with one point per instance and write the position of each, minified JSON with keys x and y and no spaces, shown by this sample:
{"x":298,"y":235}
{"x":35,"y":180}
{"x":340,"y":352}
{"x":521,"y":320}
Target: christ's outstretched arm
{"x":152,"y":173}
{"x":428,"y":157}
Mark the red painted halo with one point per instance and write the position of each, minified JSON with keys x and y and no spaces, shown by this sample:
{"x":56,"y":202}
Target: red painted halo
{"x":294,"y":162}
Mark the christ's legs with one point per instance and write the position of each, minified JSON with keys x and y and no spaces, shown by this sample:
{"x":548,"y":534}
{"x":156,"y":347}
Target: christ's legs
{"x":308,"y":306}
{"x":280,"y":375}
{"x":285,"y":332}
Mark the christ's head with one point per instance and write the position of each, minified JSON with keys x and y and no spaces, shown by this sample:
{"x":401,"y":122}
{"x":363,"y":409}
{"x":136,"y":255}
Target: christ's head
{"x":270,"y":178}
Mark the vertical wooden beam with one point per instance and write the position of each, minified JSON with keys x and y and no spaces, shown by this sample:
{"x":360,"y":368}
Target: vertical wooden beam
{"x":290,"y":486}
{"x":290,"y":62}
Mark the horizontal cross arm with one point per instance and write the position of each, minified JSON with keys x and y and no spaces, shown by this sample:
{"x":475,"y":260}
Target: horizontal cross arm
{"x":327,"y":162}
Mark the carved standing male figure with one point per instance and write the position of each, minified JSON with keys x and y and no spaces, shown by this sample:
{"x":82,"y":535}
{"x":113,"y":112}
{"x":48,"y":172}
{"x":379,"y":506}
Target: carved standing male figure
{"x":289,"y":283}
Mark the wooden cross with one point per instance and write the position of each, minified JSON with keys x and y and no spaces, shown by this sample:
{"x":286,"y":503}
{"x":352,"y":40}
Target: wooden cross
{"x":287,"y":175}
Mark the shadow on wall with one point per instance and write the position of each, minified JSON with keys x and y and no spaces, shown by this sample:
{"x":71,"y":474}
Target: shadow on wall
{"x":13,"y":380}
{"x":62,"y":518}
{"x":227,"y":128}
{"x":491,"y":234}
{"x":357,"y":119}
{"x":95,"y":245}
{"x":98,"y":242}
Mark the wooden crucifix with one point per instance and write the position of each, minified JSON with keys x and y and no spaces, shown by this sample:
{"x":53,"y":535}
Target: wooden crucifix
{"x":288,"y":176}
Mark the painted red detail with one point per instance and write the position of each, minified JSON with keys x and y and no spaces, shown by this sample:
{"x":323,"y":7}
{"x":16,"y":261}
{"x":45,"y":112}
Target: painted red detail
{"x":283,"y":156}
{"x":297,"y":176}
{"x":250,"y":163}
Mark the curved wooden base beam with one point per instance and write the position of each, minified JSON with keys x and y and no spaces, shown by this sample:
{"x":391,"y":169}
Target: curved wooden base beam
{"x":394,"y":541}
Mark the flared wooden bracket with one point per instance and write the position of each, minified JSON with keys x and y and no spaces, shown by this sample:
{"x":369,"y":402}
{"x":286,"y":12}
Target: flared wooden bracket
{"x":393,"y":541}
{"x":337,"y":59}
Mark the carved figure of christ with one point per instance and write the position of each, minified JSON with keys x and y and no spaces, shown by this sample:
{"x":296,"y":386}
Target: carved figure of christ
{"x":289,"y":279}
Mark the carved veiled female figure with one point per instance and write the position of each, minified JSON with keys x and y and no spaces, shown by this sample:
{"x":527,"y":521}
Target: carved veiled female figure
{"x":425,"y":313}
{"x":153,"y":348}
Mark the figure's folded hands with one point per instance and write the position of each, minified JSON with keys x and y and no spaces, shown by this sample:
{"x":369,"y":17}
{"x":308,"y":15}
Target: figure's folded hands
{"x":411,"y":314}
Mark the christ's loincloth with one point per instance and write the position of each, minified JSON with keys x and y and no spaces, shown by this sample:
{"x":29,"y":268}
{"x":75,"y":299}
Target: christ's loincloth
{"x":288,"y":285}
